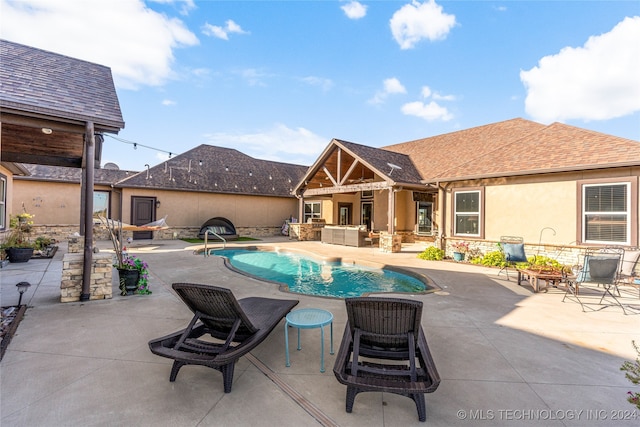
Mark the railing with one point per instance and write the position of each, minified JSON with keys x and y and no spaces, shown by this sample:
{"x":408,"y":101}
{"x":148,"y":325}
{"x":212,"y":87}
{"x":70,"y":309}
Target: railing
{"x":206,"y":239}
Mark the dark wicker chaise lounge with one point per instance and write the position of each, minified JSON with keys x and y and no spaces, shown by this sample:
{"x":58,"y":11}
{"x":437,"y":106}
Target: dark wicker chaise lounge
{"x":387,"y":329}
{"x":238,"y":325}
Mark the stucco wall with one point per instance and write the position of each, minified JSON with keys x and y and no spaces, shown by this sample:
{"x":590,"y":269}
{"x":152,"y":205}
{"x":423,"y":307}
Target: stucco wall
{"x":59,"y":204}
{"x":50,"y":202}
{"x":526,"y":209}
{"x":192,"y":208}
{"x":538,"y":208}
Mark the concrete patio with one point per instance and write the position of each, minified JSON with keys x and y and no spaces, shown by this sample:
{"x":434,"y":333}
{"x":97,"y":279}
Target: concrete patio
{"x":506,"y":356}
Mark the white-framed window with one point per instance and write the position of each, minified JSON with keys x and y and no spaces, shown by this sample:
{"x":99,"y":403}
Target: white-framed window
{"x":3,"y":202}
{"x":467,"y":209}
{"x":311,"y":210}
{"x":606,"y":213}
{"x":101,"y":203}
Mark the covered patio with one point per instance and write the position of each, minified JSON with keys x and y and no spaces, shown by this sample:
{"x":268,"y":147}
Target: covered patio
{"x":506,"y":355}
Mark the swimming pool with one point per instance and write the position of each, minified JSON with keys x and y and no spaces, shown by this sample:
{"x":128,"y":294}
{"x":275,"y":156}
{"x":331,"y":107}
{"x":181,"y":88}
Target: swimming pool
{"x":306,"y":275}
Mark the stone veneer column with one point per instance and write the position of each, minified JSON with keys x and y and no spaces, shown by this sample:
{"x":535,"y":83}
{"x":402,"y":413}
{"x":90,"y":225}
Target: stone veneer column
{"x":101,"y":273}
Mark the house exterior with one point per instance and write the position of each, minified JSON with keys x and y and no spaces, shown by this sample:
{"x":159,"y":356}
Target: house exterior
{"x":557,"y":186}
{"x":189,"y":189}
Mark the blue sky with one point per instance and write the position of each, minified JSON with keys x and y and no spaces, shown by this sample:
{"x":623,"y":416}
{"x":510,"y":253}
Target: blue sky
{"x":278,"y":80}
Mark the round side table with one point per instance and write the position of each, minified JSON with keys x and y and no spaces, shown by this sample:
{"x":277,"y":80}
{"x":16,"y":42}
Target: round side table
{"x":308,"y":318}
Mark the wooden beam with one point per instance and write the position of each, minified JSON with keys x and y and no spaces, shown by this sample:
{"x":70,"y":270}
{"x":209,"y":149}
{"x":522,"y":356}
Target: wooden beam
{"x":324,"y":168}
{"x":351,"y":168}
{"x":354,"y":188}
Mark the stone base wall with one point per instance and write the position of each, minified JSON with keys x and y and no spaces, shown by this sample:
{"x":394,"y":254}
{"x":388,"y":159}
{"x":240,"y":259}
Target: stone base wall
{"x":259,"y":231}
{"x":101,"y":274}
{"x":304,"y":232}
{"x":566,"y":255}
{"x":100,"y":232}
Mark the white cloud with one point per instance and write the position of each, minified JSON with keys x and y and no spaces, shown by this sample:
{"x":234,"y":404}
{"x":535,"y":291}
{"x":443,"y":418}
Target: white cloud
{"x":168,"y":102}
{"x":439,"y":97}
{"x":430,"y":112}
{"x":222,"y":32}
{"x":185,"y":5}
{"x":136,"y":42}
{"x":416,"y":21}
{"x":390,"y":86}
{"x":393,"y":85}
{"x":425,"y":92}
{"x":253,"y":76}
{"x":297,"y":145}
{"x":354,"y":10}
{"x":324,"y":83}
{"x":597,"y":81}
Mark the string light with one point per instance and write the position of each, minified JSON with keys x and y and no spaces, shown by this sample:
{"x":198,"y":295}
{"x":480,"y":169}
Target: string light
{"x":137,"y":144}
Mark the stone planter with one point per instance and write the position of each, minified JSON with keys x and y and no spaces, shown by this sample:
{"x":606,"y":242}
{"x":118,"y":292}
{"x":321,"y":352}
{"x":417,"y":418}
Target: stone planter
{"x":19,"y":254}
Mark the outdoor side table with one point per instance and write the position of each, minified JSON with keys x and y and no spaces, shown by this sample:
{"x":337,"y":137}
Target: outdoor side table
{"x":308,"y":318}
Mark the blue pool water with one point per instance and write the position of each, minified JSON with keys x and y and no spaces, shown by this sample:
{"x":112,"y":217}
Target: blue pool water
{"x":309,"y":276}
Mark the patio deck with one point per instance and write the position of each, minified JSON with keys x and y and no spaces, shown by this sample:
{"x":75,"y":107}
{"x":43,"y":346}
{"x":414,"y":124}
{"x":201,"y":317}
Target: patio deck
{"x":506,"y":356}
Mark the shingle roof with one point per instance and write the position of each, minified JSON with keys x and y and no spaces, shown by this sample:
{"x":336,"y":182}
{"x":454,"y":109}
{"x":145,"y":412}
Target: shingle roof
{"x":223,"y":170}
{"x":435,"y":155}
{"x":65,"y":174}
{"x":516,"y":147}
{"x":554,"y":148}
{"x":385,"y":162}
{"x":37,"y":81}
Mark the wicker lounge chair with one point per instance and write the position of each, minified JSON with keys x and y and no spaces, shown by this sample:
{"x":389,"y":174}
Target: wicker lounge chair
{"x":238,"y":325}
{"x":389,"y":330}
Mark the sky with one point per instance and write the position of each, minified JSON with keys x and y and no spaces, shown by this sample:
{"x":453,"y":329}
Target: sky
{"x":277,"y":80}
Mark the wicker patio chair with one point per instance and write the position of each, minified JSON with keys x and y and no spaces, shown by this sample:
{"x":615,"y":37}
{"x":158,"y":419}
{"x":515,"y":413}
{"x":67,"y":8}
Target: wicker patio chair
{"x":238,"y":325}
{"x":384,"y":349}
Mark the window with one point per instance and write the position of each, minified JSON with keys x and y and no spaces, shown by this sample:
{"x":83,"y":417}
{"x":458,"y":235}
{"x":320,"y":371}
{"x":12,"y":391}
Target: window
{"x":606,"y":213}
{"x":467,"y":213}
{"x":101,"y":204}
{"x":3,"y":202}
{"x":311,"y":210}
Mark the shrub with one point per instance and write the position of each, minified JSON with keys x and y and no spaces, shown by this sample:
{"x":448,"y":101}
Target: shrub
{"x":490,"y":259}
{"x":432,"y":254}
{"x":632,"y":370}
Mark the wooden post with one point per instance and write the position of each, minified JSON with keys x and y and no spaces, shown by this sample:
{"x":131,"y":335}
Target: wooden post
{"x":391,"y":212}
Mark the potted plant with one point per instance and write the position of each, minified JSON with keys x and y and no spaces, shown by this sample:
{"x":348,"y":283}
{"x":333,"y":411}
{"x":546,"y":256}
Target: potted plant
{"x":460,"y":249}
{"x":44,"y":247}
{"x":16,"y":244}
{"x":133,"y":274}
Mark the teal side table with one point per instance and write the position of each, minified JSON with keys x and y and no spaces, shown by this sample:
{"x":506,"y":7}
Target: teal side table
{"x":308,"y":318}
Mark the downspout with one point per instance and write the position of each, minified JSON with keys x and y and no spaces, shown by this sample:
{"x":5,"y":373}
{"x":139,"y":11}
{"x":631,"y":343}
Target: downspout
{"x":89,"y":164}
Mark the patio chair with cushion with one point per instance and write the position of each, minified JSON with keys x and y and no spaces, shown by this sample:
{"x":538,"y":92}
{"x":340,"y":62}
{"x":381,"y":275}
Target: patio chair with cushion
{"x":512,"y":247}
{"x":384,"y":349}
{"x":237,"y":326}
{"x":601,"y":267}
